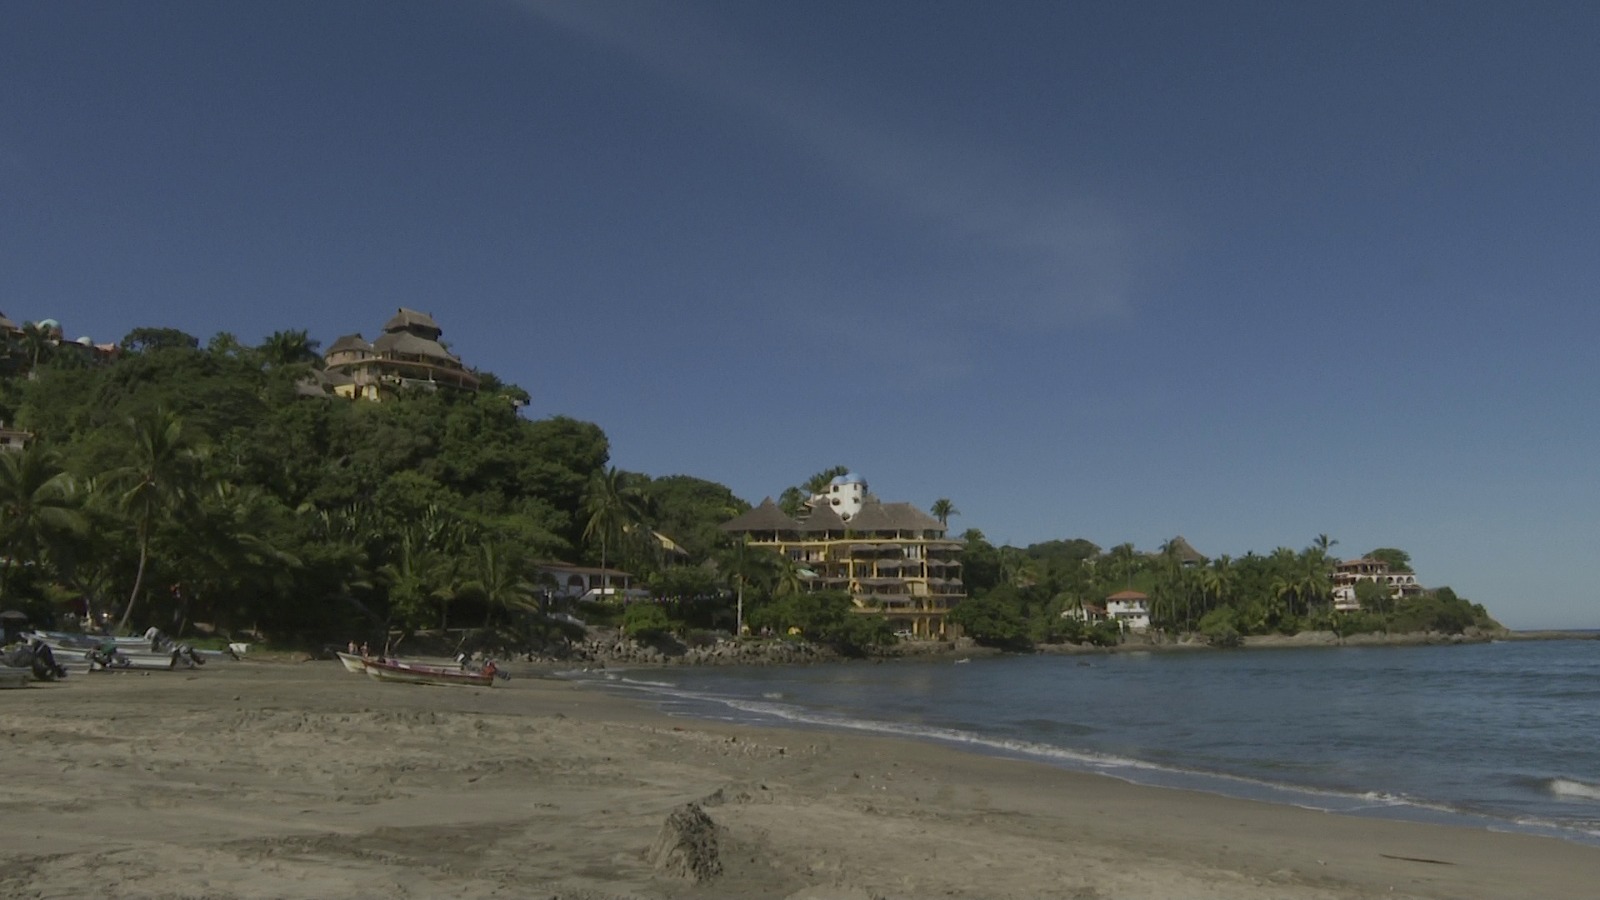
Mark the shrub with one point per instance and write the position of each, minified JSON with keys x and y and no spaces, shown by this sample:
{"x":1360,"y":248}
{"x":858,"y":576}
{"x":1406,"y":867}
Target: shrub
{"x":645,"y":621}
{"x":1220,"y":627}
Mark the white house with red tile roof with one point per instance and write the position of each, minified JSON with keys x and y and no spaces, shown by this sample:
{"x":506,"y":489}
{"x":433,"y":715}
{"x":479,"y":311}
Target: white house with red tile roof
{"x":1130,"y":610}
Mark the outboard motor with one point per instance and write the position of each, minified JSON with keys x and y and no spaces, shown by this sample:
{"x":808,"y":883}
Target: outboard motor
{"x":36,"y":655}
{"x":107,"y":656}
{"x":45,"y":667}
{"x":188,"y":656}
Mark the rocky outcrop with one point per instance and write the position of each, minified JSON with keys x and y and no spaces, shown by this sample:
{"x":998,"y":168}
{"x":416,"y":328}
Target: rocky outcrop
{"x":612,"y":650}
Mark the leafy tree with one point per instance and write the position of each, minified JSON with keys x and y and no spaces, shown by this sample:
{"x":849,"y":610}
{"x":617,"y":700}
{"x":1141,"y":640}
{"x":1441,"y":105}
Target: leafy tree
{"x":826,"y":617}
{"x":1220,"y":627}
{"x":981,"y":563}
{"x":1397,"y":560}
{"x":1374,"y":596}
{"x":943,"y":509}
{"x":149,"y":340}
{"x":990,"y":622}
{"x":691,"y":510}
{"x":559,"y":457}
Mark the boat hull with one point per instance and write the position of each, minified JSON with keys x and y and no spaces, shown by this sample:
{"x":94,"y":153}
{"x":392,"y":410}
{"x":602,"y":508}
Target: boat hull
{"x":407,"y":673}
{"x":125,"y":659}
{"x":352,"y":662}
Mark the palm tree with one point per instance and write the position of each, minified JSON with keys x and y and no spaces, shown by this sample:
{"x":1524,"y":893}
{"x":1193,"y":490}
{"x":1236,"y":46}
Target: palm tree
{"x":231,"y":561}
{"x":613,"y":506}
{"x":413,"y":576}
{"x":1314,"y":581}
{"x":498,"y":581}
{"x":1216,"y":583}
{"x":1124,"y":561}
{"x":38,"y":344}
{"x":160,"y":480}
{"x":287,"y":348}
{"x":736,"y":563}
{"x":786,"y":578}
{"x":39,"y":503}
{"x":819,"y":482}
{"x":943,"y":509}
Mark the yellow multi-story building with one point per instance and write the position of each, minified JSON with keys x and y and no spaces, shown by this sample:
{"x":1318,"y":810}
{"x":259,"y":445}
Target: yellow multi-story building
{"x":892,"y":558}
{"x":407,"y":354}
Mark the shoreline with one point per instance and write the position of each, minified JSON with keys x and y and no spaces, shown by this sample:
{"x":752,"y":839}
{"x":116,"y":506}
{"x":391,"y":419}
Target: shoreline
{"x":614,"y":652}
{"x":263,"y":780}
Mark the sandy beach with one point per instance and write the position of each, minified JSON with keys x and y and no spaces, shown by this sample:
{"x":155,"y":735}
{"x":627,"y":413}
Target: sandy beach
{"x":258,"y":780}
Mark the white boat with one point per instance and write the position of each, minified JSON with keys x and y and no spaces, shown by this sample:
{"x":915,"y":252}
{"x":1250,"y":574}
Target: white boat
{"x":11,"y":677}
{"x":74,"y":649}
{"x":416,"y":673}
{"x":124,"y":657}
{"x":352,"y":662}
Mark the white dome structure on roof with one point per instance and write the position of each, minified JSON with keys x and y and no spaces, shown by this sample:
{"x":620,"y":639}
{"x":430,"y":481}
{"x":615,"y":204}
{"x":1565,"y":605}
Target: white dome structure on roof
{"x":846,"y":493}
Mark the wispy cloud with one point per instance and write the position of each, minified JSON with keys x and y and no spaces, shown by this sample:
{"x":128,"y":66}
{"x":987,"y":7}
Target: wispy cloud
{"x":1029,"y":256}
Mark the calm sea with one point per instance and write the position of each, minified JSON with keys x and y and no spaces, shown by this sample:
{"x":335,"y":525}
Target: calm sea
{"x":1503,"y":736}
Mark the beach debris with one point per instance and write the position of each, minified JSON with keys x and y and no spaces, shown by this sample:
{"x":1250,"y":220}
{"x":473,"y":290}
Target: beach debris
{"x":1418,"y":859}
{"x":687,"y":845}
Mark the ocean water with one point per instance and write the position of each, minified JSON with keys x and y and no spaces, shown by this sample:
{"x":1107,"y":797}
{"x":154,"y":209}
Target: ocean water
{"x":1504,"y":736}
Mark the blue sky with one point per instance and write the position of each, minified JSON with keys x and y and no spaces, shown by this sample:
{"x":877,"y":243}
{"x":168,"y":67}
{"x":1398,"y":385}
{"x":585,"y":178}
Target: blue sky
{"x":1245,"y":272}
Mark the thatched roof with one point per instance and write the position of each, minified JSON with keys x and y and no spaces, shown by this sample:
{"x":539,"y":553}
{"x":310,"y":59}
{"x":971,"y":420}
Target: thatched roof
{"x":1185,"y":551}
{"x":1128,"y":595}
{"x":822,"y":518}
{"x":766,"y":517}
{"x":409,"y":344}
{"x":415,"y":322}
{"x":350,"y":342}
{"x":875,"y":516}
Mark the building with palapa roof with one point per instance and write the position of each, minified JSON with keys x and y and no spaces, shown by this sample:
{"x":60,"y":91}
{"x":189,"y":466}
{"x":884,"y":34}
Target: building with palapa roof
{"x":893,"y":558}
{"x":407,"y":355}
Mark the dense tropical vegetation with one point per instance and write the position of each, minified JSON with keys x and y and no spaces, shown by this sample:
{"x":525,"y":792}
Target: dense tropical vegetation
{"x":178,"y":484}
{"x":1020,"y":595}
{"x":184,"y":486}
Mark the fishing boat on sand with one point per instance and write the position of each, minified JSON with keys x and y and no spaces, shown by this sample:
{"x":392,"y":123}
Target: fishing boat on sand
{"x":12,"y":677}
{"x":352,"y":662}
{"x":416,"y":673}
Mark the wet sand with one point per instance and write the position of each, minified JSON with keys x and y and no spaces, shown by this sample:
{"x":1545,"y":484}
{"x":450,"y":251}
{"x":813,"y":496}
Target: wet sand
{"x":257,"y":780}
